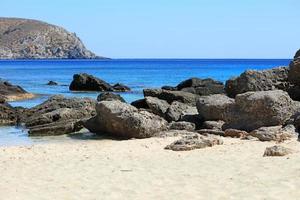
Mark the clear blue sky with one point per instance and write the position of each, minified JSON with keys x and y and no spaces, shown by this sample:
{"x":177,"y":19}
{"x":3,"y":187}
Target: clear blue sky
{"x":173,"y":28}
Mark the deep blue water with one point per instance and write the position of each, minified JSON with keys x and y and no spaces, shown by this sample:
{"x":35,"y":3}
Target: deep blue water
{"x":136,"y":73}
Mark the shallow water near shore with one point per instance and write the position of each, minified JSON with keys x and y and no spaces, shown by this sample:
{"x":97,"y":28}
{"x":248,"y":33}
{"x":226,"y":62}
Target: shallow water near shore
{"x":138,"y":74}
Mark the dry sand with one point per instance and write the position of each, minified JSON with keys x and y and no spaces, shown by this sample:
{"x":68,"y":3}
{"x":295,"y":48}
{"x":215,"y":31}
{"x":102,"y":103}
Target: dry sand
{"x":142,"y":169}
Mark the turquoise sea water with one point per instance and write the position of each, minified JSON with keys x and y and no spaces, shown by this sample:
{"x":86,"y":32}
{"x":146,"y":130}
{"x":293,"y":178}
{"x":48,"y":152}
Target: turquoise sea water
{"x":136,"y":73}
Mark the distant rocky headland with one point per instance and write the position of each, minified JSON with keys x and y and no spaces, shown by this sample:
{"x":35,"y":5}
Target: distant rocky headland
{"x":32,"y":39}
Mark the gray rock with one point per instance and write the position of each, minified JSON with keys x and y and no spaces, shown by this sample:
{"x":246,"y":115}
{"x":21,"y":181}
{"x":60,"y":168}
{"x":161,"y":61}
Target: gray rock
{"x":216,"y":125}
{"x":235,"y":133}
{"x":252,"y":80}
{"x":170,"y":96}
{"x":86,"y":82}
{"x":8,"y":115}
{"x":214,"y":107}
{"x":273,"y":133}
{"x":120,"y":88}
{"x":178,"y":111}
{"x":140,"y":103}
{"x":109,"y":96}
{"x":192,"y":142}
{"x":211,"y":132}
{"x":277,"y":151}
{"x":157,"y":106}
{"x":253,"y":110}
{"x":182,"y":126}
{"x":294,"y":72}
{"x":123,"y":120}
{"x":51,"y":83}
{"x":32,"y":39}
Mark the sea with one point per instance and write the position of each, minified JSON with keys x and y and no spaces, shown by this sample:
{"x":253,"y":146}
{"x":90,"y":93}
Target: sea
{"x":33,"y":76}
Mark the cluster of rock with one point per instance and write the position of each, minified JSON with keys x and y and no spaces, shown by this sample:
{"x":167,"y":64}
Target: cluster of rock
{"x":257,"y":104}
{"x":86,"y":82}
{"x":32,"y":39}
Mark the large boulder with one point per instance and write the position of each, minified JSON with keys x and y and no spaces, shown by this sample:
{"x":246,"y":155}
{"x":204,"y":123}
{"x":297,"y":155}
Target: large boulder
{"x":214,"y":107}
{"x":201,"y":86}
{"x":179,"y":111}
{"x":58,"y":115}
{"x":294,"y":73}
{"x":253,"y":110}
{"x":12,"y":92}
{"x":170,"y":96}
{"x":32,"y":39}
{"x":123,"y":120}
{"x":253,"y":80}
{"x":157,"y":106}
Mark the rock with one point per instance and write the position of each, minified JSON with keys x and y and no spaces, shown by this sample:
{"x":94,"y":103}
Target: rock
{"x":214,"y":107}
{"x":86,"y":82}
{"x":192,"y":118}
{"x":157,"y":106}
{"x":32,"y":39}
{"x":253,"y":110}
{"x":109,"y":96}
{"x":277,"y":151}
{"x":169,"y":88}
{"x":182,"y":126}
{"x":235,"y":133}
{"x":294,"y":72}
{"x":192,"y":142}
{"x":10,"y":92}
{"x":201,"y":87}
{"x":120,"y":88}
{"x":170,"y":96}
{"x":177,"y":111}
{"x":252,"y":80}
{"x":56,"y":128}
{"x":173,"y":133}
{"x":52,"y":83}
{"x":140,"y":103}
{"x":123,"y":120}
{"x":210,"y":132}
{"x":8,"y":115}
{"x":216,"y":125}
{"x":273,"y":133}
{"x":58,"y":115}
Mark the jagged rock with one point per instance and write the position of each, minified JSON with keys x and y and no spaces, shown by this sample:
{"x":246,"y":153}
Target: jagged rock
{"x":123,"y":120}
{"x":182,"y":126}
{"x":253,"y":80}
{"x":214,"y":107}
{"x":216,"y":125}
{"x":253,"y":110}
{"x":120,"y":88}
{"x":192,"y":142}
{"x":58,"y":114}
{"x":274,"y":133}
{"x":178,"y":111}
{"x":235,"y":133}
{"x":8,"y":115}
{"x":170,"y":96}
{"x":12,"y":92}
{"x":277,"y":151}
{"x":294,"y":72}
{"x":52,"y":83}
{"x":27,"y":39}
{"x":211,"y":132}
{"x":157,"y":106}
{"x":201,"y":86}
{"x":109,"y":96}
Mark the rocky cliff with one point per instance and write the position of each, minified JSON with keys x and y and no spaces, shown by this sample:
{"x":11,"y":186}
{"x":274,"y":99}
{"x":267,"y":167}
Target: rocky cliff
{"x":32,"y":39}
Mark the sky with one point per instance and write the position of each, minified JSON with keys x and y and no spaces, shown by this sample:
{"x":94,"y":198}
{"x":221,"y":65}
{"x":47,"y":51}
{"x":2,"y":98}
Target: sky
{"x":173,"y":28}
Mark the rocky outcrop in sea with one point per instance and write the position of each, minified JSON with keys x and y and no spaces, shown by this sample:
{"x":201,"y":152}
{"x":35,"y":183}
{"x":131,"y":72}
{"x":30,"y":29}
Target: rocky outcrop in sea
{"x":32,"y":39}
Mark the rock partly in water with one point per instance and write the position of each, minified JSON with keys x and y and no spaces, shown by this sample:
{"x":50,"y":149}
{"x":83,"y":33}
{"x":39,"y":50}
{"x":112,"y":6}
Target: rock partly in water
{"x":274,"y":133}
{"x":277,"y":151}
{"x":253,"y":80}
{"x":125,"y":121}
{"x":214,"y":107}
{"x":182,"y":126}
{"x":11,"y":92}
{"x":32,"y":39}
{"x":253,"y":110}
{"x":120,"y":88}
{"x":192,"y":142}
{"x":52,"y":83}
{"x":109,"y":96}
{"x":58,"y":115}
{"x":170,"y":96}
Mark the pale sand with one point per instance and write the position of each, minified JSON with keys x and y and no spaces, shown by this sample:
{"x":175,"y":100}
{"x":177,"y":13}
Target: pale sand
{"x":142,"y":169}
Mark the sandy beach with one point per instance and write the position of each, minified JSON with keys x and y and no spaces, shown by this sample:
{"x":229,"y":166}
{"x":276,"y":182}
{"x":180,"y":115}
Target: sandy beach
{"x":142,"y":169}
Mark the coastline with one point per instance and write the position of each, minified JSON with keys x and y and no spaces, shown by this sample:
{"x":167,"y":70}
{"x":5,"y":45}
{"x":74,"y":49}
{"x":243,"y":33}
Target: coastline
{"x":90,"y":169}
